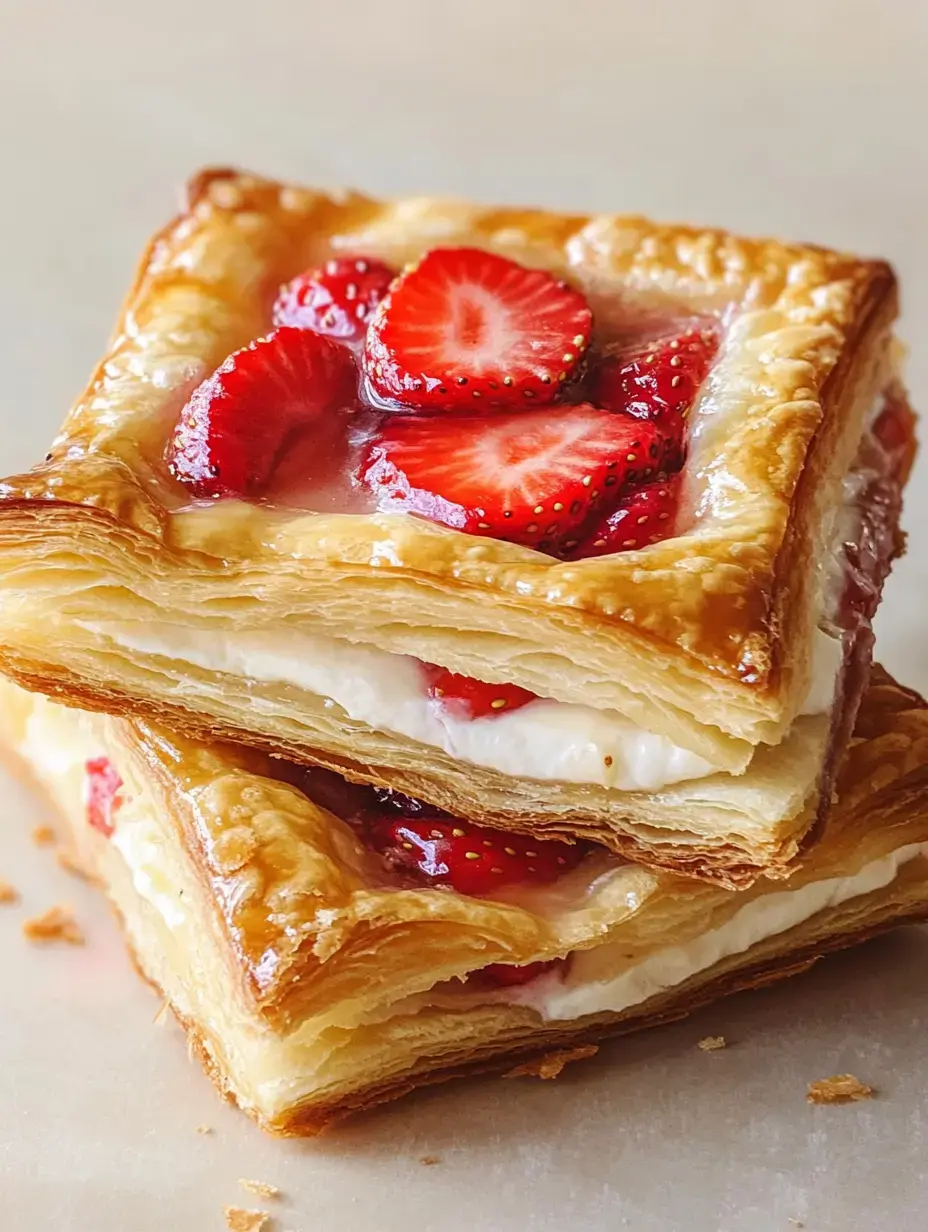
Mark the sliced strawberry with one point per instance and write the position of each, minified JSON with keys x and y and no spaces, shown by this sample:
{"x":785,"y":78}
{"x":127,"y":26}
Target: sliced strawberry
{"x":644,"y":515}
{"x":464,"y":324}
{"x":526,"y":478}
{"x":471,"y":859}
{"x":241,"y":421}
{"x":507,"y":975}
{"x":337,"y":300}
{"x":467,"y":698}
{"x":658,"y":381}
{"x":101,"y":796}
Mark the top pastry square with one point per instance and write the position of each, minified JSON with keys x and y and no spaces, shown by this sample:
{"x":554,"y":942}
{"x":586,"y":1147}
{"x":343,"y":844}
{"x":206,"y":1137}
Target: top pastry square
{"x":705,"y":637}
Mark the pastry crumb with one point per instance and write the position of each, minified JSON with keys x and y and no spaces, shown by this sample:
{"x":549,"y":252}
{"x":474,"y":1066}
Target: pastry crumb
{"x":57,"y":924}
{"x":550,"y":1066}
{"x":430,"y":1160}
{"x":204,"y":1129}
{"x":712,"y":1043}
{"x":797,"y":1223}
{"x":260,"y":1188}
{"x":8,"y":893}
{"x":839,"y":1089}
{"x":238,"y":1220}
{"x":161,"y":1017}
{"x":69,"y":860}
{"x":43,"y":836}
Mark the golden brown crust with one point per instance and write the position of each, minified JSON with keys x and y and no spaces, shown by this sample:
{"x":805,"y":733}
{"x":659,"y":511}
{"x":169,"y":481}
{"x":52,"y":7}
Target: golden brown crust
{"x":311,"y":929}
{"x":713,"y":622}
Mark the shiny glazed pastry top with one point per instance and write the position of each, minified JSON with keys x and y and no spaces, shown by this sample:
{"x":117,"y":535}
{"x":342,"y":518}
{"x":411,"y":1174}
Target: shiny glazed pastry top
{"x":593,"y":459}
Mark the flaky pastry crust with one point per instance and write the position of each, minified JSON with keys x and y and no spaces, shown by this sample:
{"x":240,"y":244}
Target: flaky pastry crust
{"x":704,"y":635}
{"x":312,"y":984}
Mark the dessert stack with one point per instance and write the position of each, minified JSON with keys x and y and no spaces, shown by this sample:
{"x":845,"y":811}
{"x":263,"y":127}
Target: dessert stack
{"x":447,"y":631}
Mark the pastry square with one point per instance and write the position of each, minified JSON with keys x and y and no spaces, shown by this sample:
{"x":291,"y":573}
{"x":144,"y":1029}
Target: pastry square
{"x":317,"y":972}
{"x":690,"y":696}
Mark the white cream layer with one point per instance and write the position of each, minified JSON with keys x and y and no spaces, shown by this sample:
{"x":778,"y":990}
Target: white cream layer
{"x":597,"y":981}
{"x":545,"y":740}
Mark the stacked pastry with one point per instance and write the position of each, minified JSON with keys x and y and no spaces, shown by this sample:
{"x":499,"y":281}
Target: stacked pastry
{"x":448,"y":630}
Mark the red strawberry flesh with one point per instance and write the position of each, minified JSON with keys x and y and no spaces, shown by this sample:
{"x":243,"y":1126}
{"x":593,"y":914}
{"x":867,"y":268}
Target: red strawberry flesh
{"x":101,"y":788}
{"x":464,"y":697}
{"x":240,"y":422}
{"x":658,"y":380}
{"x":471,"y":859}
{"x":526,"y":478}
{"x":507,"y":975}
{"x":337,"y":300}
{"x":644,"y":516}
{"x":464,"y":325}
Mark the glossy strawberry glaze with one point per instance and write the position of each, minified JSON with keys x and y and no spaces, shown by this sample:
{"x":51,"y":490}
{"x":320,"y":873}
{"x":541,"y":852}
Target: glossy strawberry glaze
{"x":320,"y":472}
{"x":488,"y":339}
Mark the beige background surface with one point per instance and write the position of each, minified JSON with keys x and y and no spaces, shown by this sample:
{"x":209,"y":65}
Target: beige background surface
{"x":804,"y":117}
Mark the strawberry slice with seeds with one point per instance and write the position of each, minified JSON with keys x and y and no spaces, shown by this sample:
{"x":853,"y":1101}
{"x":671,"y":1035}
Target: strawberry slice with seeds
{"x":101,"y":794}
{"x":658,"y":381}
{"x":526,"y":478}
{"x":464,"y":697}
{"x":473,"y":860}
{"x":337,"y":300}
{"x":239,"y":424}
{"x":644,"y":515}
{"x":465,"y":325}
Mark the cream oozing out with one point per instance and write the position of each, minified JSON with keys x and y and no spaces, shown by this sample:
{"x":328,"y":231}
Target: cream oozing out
{"x":601,"y":980}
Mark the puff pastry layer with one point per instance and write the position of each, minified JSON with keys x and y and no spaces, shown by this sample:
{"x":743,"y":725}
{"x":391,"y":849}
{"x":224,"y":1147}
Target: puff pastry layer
{"x":311,"y":984}
{"x":705,"y":638}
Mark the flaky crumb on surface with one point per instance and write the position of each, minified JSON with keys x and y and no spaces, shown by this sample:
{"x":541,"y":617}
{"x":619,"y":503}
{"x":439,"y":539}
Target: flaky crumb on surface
{"x":8,"y":893}
{"x":839,"y":1089}
{"x":43,"y":836}
{"x":712,"y":1043}
{"x":260,"y":1188}
{"x":69,"y":860}
{"x":204,"y":1129}
{"x":57,"y":924}
{"x":238,"y":1220}
{"x":430,"y":1160}
{"x":550,"y":1066}
{"x":161,"y":1017}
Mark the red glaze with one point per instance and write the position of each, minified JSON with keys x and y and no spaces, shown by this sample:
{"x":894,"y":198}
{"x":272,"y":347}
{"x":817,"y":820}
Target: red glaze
{"x":101,"y":794}
{"x":239,"y":424}
{"x":530,"y":478}
{"x":645,"y":515}
{"x":337,"y":300}
{"x":464,"y":326}
{"x":470,"y":859}
{"x":657,"y":381}
{"x":467,"y":698}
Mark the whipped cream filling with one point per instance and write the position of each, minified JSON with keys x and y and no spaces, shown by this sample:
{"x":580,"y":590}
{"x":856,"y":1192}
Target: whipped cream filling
{"x":544,"y":740}
{"x":139,"y":842}
{"x":599,"y":981}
